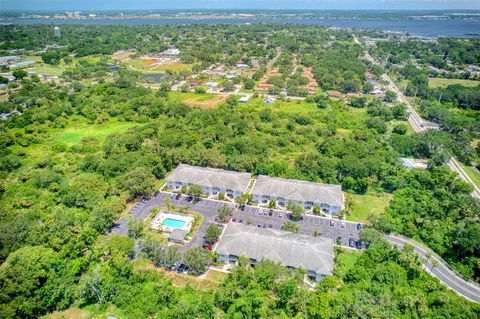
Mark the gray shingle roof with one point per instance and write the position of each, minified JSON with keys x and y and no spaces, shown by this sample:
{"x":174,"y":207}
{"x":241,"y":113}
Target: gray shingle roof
{"x":290,"y":249}
{"x":293,"y":189}
{"x":178,"y":234}
{"x":210,"y":177}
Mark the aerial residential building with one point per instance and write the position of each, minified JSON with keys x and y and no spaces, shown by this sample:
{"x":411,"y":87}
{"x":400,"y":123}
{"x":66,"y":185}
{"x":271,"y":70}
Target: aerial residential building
{"x":9,"y":59}
{"x":171,"y":53}
{"x":242,"y":66}
{"x":23,"y":64}
{"x":329,"y":198}
{"x":212,"y":180}
{"x":244,"y":99}
{"x":313,"y":254}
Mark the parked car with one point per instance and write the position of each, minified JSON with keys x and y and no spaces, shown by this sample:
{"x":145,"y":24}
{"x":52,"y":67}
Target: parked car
{"x":234,"y":219}
{"x":175,"y":266}
{"x":189,"y":198}
{"x":207,"y":246}
{"x":270,"y":213}
{"x":359,"y":226}
{"x":280,"y":215}
{"x":342,"y":224}
{"x":358,"y":244}
{"x":172,"y":196}
{"x":181,"y":268}
{"x":270,"y":226}
{"x":264,"y":225}
{"x":241,"y":221}
{"x":351,"y":242}
{"x":185,"y":270}
{"x":242,"y":208}
{"x":332,"y":223}
{"x":178,"y":196}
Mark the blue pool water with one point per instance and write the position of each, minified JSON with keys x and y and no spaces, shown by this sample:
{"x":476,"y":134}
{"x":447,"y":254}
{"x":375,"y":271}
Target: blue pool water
{"x":174,"y":223}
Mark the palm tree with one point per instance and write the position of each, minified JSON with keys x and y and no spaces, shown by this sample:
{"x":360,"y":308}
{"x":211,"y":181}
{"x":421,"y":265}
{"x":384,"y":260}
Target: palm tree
{"x":167,"y":201}
{"x":428,"y":255}
{"x":434,"y":265}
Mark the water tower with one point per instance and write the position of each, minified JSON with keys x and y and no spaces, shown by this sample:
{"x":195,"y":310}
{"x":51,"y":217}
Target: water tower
{"x":57,"y":32}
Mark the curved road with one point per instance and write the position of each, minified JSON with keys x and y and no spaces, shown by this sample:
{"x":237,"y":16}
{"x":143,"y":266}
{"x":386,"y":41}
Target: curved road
{"x":327,"y":228}
{"x":442,"y":270}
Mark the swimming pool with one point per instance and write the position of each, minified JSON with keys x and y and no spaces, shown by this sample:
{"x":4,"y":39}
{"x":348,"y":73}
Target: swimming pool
{"x":174,"y":223}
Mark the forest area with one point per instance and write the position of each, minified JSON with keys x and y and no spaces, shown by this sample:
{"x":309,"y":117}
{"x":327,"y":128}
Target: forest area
{"x":81,"y":152}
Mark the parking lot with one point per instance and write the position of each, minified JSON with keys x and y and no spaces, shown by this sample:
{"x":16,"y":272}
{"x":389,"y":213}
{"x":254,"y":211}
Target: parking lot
{"x":339,"y":231}
{"x":345,"y":231}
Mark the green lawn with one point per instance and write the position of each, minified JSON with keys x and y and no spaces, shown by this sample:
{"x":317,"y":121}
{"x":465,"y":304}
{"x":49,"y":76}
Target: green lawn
{"x":368,"y":204}
{"x":473,"y":174}
{"x":176,"y":67}
{"x":439,"y":82}
{"x":47,"y":69}
{"x":75,"y":133}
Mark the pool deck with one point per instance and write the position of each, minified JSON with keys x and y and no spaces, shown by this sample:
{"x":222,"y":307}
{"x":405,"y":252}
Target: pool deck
{"x":158,"y":222}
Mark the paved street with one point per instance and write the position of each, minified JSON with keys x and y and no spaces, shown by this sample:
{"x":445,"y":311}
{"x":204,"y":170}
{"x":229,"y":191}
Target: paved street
{"x":442,"y":271}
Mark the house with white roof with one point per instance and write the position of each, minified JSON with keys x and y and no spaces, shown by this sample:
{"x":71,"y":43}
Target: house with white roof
{"x":313,"y":254}
{"x":212,"y":180}
{"x":329,"y":198}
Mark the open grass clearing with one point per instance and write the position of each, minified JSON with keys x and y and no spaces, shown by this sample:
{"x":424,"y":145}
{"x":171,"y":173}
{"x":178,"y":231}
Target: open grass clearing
{"x":441,"y":83}
{"x":175,"y":67}
{"x":75,"y":133}
{"x":73,"y":312}
{"x":206,"y":101}
{"x":363,"y":206}
{"x":48,"y":70}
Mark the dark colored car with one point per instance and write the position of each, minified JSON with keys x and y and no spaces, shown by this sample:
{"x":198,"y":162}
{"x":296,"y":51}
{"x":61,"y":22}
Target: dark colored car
{"x":351,"y":242}
{"x":189,"y":198}
{"x":358,"y":244}
{"x":242,"y":208}
{"x":359,"y":226}
{"x":270,"y":213}
{"x":178,"y":196}
{"x":175,"y":266}
{"x":181,"y":268}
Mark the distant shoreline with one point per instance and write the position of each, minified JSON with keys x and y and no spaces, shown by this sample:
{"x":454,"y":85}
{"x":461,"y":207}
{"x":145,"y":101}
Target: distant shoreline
{"x":458,"y":28}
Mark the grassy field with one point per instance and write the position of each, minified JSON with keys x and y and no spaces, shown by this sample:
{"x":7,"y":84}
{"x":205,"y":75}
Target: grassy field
{"x":440,"y":83}
{"x":473,"y":174}
{"x":46,"y":69}
{"x":368,"y":204}
{"x":69,"y":313}
{"x":175,"y":67}
{"x":74,"y":134}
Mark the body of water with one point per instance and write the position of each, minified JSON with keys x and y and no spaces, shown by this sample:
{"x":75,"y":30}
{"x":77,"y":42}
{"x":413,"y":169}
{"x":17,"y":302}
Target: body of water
{"x":155,"y":76}
{"x":459,"y":28}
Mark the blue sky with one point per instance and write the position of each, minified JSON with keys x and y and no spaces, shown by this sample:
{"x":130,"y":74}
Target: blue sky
{"x":35,"y":5}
